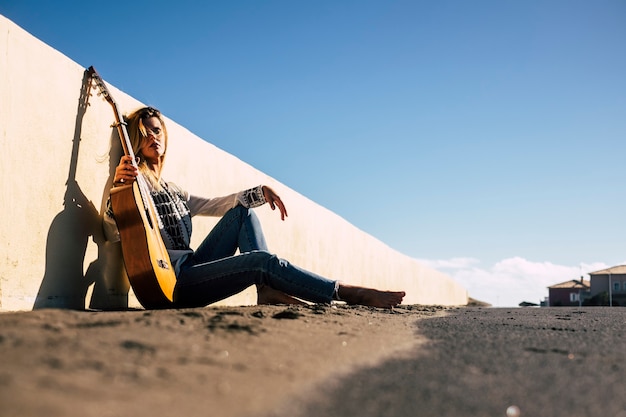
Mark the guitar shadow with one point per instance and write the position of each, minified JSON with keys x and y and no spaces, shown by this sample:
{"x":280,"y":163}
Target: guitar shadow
{"x":64,"y":285}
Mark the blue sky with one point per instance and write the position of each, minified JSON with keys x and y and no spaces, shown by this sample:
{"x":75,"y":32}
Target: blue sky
{"x":484,"y":138}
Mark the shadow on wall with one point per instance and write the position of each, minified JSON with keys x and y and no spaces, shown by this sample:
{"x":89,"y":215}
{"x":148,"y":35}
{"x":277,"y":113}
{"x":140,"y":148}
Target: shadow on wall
{"x":64,"y":285}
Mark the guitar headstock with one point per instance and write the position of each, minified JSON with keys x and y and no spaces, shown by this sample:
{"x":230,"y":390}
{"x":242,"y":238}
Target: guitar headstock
{"x":103,"y":90}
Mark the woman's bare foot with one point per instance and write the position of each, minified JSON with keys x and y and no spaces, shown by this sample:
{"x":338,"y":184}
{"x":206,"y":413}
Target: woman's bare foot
{"x":369,"y":296}
{"x":268,"y":296}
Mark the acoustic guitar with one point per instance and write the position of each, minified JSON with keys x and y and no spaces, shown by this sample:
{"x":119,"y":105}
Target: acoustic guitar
{"x":147,"y":262}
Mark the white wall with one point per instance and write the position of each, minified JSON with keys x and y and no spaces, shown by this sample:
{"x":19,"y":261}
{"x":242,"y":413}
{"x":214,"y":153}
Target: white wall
{"x":55,"y":165}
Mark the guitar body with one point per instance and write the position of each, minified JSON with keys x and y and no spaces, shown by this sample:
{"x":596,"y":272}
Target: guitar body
{"x":147,"y":262}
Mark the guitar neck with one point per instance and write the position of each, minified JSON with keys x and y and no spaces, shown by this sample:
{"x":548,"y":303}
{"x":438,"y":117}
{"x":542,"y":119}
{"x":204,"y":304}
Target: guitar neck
{"x":120,"y":124}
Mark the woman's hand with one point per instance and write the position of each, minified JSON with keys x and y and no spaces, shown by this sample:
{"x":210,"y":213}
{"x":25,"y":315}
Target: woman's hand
{"x":125,"y":172}
{"x":274,"y":201}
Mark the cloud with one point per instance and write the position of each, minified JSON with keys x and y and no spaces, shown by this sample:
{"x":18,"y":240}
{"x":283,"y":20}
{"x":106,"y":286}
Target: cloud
{"x":453,"y":263}
{"x":510,"y":281}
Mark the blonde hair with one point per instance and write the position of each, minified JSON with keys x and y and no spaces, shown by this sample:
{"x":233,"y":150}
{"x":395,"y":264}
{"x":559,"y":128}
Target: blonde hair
{"x":138,"y":134}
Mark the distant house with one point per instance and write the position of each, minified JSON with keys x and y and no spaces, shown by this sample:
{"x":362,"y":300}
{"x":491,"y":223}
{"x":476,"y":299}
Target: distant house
{"x":612,"y":282}
{"x":569,"y":293}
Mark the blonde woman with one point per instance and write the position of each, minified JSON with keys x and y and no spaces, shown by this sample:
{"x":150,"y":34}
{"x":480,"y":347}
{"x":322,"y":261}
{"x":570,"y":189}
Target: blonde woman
{"x":212,"y":272}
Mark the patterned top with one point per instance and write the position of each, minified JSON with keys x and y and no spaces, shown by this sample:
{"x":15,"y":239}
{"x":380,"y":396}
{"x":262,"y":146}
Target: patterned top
{"x":174,"y":217}
{"x":176,"y":207}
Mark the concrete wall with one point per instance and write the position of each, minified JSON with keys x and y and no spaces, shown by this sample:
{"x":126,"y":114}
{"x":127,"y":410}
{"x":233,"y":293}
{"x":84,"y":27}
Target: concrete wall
{"x":58,"y":153}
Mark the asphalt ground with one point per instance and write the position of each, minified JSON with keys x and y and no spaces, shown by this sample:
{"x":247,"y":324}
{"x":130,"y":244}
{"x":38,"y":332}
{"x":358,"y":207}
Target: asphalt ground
{"x":493,"y":362}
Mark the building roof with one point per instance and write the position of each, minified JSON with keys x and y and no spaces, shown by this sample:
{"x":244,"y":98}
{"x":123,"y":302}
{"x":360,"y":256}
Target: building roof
{"x":620,"y":269}
{"x":573,"y":283}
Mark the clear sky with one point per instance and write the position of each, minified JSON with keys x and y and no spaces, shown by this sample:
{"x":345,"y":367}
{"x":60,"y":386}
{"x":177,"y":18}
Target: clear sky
{"x":485,"y":138}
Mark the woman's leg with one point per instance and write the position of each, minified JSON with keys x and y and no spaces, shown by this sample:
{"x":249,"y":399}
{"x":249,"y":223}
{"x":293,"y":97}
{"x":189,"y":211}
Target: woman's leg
{"x":213,"y":274}
{"x":206,"y":283}
{"x":239,"y":228}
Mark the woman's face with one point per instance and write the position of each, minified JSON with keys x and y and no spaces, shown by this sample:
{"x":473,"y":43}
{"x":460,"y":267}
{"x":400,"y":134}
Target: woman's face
{"x":153,"y":146}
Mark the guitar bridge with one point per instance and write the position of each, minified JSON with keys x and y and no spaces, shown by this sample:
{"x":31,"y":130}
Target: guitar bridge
{"x":163,"y":264}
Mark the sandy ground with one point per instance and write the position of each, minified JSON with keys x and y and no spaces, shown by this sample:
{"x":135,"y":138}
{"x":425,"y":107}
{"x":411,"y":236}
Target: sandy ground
{"x":310,"y":361}
{"x":222,"y":361}
{"x":496,"y":362}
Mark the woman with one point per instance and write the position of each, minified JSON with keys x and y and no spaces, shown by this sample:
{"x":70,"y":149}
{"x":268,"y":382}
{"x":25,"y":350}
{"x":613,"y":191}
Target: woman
{"x":212,"y":272}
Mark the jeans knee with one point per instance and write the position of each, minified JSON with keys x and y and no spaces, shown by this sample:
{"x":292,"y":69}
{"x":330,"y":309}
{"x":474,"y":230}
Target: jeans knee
{"x":240,"y":211}
{"x":260,"y":255}
{"x":244,"y":212}
{"x":268,"y":261}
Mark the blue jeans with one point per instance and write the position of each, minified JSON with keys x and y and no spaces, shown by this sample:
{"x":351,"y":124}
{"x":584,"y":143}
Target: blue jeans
{"x":214,"y":272}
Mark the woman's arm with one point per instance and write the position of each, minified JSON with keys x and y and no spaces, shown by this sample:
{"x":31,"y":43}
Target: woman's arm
{"x":250,"y":198}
